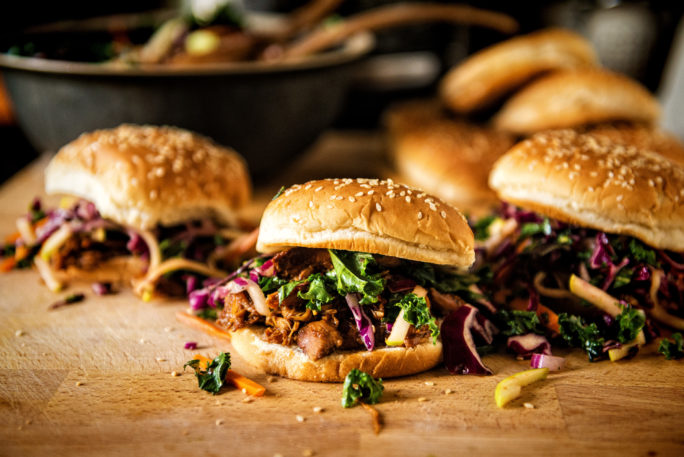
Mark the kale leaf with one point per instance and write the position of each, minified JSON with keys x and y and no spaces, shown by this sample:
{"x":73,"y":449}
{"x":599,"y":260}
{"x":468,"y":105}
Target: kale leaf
{"x":517,"y":322}
{"x":672,"y":349}
{"x":417,"y":313}
{"x":532,"y":228}
{"x":286,"y":289}
{"x":642,"y":253}
{"x":269,"y":284}
{"x":211,"y":379}
{"x":578,"y":334}
{"x":359,"y":386}
{"x":481,"y":227}
{"x":350,"y":271}
{"x":630,"y":322}
{"x":318,"y":293}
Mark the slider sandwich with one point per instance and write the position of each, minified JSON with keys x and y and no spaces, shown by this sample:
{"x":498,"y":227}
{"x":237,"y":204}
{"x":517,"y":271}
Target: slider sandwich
{"x":153,"y":205}
{"x":354,"y":273}
{"x":591,"y":240}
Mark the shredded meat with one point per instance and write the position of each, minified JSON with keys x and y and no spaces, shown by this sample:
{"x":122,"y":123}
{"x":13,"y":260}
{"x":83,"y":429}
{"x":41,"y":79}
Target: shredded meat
{"x":299,"y":263}
{"x":237,"y":312}
{"x":415,"y":336}
{"x":445,"y":302}
{"x":85,"y":253}
{"x":318,"y":339}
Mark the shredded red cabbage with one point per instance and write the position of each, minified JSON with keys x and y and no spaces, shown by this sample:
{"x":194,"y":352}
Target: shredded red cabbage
{"x":526,"y":345}
{"x":459,"y":349}
{"x":363,"y":323}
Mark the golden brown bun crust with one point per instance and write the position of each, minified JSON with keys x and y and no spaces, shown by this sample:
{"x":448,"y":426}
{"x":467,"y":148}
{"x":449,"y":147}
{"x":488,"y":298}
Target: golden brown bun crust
{"x":144,"y":175}
{"x":450,"y":158}
{"x":576,"y":97}
{"x":493,"y":72}
{"x":367,"y":215}
{"x":291,"y":362}
{"x":590,"y":181}
{"x":642,"y":137}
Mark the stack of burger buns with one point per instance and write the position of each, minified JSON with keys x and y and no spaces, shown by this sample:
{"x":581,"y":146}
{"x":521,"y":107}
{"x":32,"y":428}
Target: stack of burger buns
{"x":549,"y":79}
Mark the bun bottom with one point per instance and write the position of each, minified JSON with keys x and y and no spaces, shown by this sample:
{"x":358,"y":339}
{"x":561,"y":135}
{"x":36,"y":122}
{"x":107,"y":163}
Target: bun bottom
{"x":291,"y":362}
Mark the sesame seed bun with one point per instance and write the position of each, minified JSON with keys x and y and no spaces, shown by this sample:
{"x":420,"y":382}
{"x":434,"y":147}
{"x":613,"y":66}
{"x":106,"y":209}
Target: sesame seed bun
{"x":450,"y":158}
{"x":590,"y":181}
{"x":291,"y":362}
{"x":367,"y":215}
{"x":493,"y":72}
{"x":576,"y":97}
{"x":145,"y":175}
{"x":641,"y":137}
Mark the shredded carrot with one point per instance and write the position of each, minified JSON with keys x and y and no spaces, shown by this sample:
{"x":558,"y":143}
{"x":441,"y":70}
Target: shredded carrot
{"x":235,"y":379}
{"x":204,"y":362}
{"x":375,"y":417}
{"x":21,"y":253}
{"x":12,"y":238}
{"x":202,"y":325}
{"x":39,"y":223}
{"x":241,"y":382}
{"x":7,"y":264}
{"x":552,"y":318}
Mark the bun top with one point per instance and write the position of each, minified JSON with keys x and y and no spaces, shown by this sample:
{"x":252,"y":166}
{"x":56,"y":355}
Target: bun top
{"x":367,"y":215}
{"x":593,"y":182}
{"x":493,"y":72}
{"x":642,"y":137}
{"x":145,"y":175}
{"x":448,"y":157}
{"x":572,"y":98}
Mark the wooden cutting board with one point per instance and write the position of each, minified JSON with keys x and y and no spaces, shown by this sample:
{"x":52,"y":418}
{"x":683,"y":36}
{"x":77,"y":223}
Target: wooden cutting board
{"x":96,"y":378}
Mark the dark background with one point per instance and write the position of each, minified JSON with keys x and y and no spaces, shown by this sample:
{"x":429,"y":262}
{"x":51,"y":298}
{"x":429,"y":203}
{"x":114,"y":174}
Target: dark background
{"x":450,"y":44}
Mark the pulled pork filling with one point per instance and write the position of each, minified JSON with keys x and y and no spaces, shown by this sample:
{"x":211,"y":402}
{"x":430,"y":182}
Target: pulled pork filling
{"x":324,"y":300}
{"x":76,"y":235}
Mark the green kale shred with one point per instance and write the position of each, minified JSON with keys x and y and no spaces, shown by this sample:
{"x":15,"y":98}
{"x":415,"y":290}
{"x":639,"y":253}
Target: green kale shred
{"x":351,"y":275}
{"x":481,"y":227}
{"x":630,"y":322}
{"x":417,"y":313}
{"x":212,"y":378}
{"x":517,"y":322}
{"x":578,"y":334}
{"x":359,"y":386}
{"x":672,"y":349}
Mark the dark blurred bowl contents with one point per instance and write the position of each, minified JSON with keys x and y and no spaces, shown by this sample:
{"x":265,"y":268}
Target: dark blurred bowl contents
{"x":268,"y":111}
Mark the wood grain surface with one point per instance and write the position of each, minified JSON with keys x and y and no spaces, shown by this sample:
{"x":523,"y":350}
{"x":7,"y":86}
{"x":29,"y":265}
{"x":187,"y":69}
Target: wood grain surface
{"x":95,"y":378}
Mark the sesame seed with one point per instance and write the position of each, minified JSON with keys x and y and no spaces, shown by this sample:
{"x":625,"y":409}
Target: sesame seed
{"x":358,"y":194}
{"x":408,"y":199}
{"x":318,"y":409}
{"x":448,"y":391}
{"x":168,"y":329}
{"x":332,"y":197}
{"x":378,"y":207}
{"x":161,"y":359}
{"x":219,"y":422}
{"x":247,"y":400}
{"x":270,"y":379}
{"x":352,"y":199}
{"x":19,"y":333}
{"x":402,"y":193}
{"x":433,"y":207}
{"x":429,"y":383}
{"x":153,"y":194}
{"x":339,"y":197}
{"x":420,"y":215}
{"x":371,"y":192}
{"x":443,"y":214}
{"x":528,"y":405}
{"x":307,"y":187}
{"x":175,"y":374}
{"x":300,"y":418}
{"x":422,"y":399}
{"x":619,"y":198}
{"x":318,"y":188}
{"x":79,"y":383}
{"x":330,"y":206}
{"x":142,"y":341}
